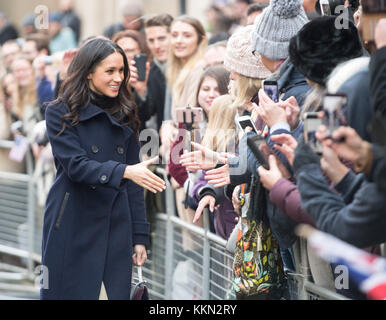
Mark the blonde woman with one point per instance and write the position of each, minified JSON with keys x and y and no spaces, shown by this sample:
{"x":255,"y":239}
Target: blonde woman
{"x":26,"y":106}
{"x":220,"y":136}
{"x":185,"y":65}
{"x":213,"y":83}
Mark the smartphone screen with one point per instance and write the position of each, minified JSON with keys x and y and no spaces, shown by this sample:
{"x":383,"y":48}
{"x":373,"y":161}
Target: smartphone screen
{"x":325,"y":8}
{"x":271,"y":89}
{"x":254,"y":143}
{"x":311,"y":125}
{"x":333,"y":108}
{"x":245,"y":122}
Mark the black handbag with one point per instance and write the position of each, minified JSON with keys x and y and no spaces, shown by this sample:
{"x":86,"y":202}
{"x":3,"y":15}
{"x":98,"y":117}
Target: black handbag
{"x":139,"y":290}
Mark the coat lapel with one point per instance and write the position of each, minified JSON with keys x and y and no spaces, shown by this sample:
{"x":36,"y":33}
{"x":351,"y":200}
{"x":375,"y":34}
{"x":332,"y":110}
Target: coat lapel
{"x":91,"y":111}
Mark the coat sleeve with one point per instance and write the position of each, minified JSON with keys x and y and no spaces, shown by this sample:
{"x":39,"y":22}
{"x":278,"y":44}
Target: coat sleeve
{"x":68,"y":151}
{"x":361,"y":223}
{"x":378,"y":80}
{"x":286,"y":197}
{"x":136,"y":197}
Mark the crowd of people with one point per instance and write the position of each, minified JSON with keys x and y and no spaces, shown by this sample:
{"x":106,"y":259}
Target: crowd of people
{"x":198,"y":82}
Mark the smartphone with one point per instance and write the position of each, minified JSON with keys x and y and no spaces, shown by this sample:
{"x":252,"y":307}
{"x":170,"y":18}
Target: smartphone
{"x":312,"y":123}
{"x":254,"y":143}
{"x":272,"y":90}
{"x":325,"y":7}
{"x":255,"y":98}
{"x":140,"y":63}
{"x":333,"y":108}
{"x":190,"y":115}
{"x":246,"y":121}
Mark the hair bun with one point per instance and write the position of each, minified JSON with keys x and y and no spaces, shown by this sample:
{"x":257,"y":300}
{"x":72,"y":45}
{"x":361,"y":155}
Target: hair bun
{"x":286,"y":8}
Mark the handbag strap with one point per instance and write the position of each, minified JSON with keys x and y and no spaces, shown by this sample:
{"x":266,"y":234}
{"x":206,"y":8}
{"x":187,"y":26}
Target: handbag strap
{"x":139,"y":272}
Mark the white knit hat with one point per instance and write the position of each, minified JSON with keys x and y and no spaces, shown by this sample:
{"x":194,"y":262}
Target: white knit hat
{"x":275,"y":26}
{"x":239,"y":57}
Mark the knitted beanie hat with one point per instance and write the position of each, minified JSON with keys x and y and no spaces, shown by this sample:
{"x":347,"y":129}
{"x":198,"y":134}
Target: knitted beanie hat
{"x":319,"y":47}
{"x":239,"y":57}
{"x":274,"y":28}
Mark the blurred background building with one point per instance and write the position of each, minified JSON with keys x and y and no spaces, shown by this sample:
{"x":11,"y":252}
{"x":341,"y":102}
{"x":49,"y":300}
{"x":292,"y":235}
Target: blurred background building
{"x":97,"y":14}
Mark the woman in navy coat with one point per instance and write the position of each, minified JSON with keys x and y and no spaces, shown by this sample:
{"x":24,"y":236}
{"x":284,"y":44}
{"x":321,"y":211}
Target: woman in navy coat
{"x":95,"y":223}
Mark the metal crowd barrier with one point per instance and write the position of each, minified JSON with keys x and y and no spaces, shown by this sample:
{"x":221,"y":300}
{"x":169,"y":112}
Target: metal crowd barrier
{"x":203,"y":271}
{"x":20,"y":231}
{"x":185,"y":261}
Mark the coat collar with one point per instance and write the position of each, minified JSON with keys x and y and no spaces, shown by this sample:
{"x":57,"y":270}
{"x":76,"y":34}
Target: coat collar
{"x":91,"y":110}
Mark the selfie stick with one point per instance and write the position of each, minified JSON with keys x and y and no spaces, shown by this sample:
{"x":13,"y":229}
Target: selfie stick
{"x":189,"y":127}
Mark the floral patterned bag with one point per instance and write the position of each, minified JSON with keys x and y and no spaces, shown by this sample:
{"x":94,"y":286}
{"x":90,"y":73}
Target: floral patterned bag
{"x":257,"y":266}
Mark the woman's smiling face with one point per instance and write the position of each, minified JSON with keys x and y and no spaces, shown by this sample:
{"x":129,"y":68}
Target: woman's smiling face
{"x":208,"y":92}
{"x":184,"y":40}
{"x":108,"y":76}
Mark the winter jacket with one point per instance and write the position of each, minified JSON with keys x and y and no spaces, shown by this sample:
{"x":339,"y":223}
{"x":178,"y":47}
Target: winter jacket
{"x":286,"y":197}
{"x":93,"y":217}
{"x":360,"y":222}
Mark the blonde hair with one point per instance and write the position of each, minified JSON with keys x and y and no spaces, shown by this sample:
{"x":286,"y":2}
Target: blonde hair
{"x":177,"y":70}
{"x":221,"y":129}
{"x":243,"y":89}
{"x":25,"y":95}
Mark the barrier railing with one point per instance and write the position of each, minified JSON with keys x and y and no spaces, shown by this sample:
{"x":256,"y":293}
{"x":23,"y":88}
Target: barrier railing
{"x":185,"y":261}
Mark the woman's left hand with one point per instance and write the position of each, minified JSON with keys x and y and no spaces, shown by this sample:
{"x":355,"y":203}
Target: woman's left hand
{"x":140,"y":255}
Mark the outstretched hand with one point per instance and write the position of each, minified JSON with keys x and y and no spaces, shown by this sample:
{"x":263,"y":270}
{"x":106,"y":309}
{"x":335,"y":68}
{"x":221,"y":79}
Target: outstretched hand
{"x":141,"y":175}
{"x":219,"y":177}
{"x":202,"y":159}
{"x":208,"y":200}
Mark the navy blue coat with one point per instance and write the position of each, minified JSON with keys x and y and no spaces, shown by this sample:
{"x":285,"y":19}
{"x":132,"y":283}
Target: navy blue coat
{"x":93,"y":217}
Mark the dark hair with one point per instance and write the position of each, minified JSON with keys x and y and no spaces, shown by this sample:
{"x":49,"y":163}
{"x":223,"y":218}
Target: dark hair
{"x":256,"y":7}
{"x":160,"y":20}
{"x":41,"y":40}
{"x":75,"y":90}
{"x":137,"y":37}
{"x":220,"y":74}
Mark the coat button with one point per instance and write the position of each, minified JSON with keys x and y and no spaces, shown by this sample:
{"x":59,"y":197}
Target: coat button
{"x":120,"y":150}
{"x":93,"y":187}
{"x":94,"y":149}
{"x":237,"y":219}
{"x":103,"y":178}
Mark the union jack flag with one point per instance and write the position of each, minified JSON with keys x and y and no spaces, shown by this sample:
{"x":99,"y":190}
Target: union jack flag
{"x":367,"y":270}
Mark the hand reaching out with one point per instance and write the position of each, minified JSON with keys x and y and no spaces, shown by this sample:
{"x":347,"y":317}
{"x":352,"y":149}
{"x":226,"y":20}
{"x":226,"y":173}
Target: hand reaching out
{"x":219,"y":177}
{"x":202,"y":159}
{"x":208,"y":200}
{"x":141,"y":175}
